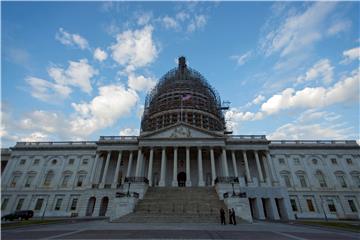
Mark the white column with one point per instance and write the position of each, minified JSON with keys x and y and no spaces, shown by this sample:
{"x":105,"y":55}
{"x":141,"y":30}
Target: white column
{"x":225,"y":165}
{"x":118,"y":163}
{"x":162,"y":171}
{"x":234,"y":163}
{"x":201,"y":182}
{"x":213,"y":172}
{"x":138,"y":164}
{"x":105,"y":169}
{"x":258,"y":166}
{"x":65,"y":159}
{"x":247,"y":171}
{"x":274,"y":213}
{"x":188,"y":180}
{"x":93,"y":171}
{"x":267,"y":171}
{"x":151,"y":158}
{"x":128,"y":172}
{"x":272,"y":170}
{"x":175,"y":171}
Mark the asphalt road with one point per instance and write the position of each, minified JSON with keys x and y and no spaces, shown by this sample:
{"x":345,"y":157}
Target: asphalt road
{"x":101,"y":229}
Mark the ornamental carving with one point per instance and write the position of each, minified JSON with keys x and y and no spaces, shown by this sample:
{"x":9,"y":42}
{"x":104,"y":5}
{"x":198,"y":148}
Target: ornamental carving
{"x":180,"y":132}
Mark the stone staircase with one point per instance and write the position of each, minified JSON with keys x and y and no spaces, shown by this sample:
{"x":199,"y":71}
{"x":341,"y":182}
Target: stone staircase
{"x":177,"y":205}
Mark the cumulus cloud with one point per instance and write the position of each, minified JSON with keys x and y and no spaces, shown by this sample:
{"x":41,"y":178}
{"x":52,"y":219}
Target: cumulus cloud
{"x":47,"y":91}
{"x":235,"y":116}
{"x":322,"y":69}
{"x":298,"y":31}
{"x":140,"y":83}
{"x":144,"y":18}
{"x":198,"y":22}
{"x":77,"y":74}
{"x":67,"y":38}
{"x":351,"y":55}
{"x":241,"y":59}
{"x":100,"y":55}
{"x":129,"y":132}
{"x":339,"y":26}
{"x":112,"y":103}
{"x":135,"y":48}
{"x":344,"y":90}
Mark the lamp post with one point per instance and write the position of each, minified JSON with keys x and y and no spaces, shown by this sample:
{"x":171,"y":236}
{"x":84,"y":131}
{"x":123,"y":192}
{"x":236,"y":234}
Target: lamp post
{"x":128,"y":192}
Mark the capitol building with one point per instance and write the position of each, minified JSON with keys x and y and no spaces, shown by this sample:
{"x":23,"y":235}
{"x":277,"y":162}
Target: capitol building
{"x":184,"y":166}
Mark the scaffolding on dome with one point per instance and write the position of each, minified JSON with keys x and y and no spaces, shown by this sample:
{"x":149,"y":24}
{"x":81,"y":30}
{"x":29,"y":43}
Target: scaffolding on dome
{"x":166,"y":103}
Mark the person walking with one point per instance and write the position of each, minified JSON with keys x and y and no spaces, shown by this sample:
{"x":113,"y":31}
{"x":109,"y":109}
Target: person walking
{"x":230,"y":217}
{"x":222,"y":216}
{"x":233,"y":216}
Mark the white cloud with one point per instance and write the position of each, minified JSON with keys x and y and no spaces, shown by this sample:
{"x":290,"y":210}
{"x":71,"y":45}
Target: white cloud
{"x":350,"y":55}
{"x":258,"y":99}
{"x":170,"y":22}
{"x":140,"y":83}
{"x":112,"y":103}
{"x":339,"y":26}
{"x":77,"y":74}
{"x":182,"y":16}
{"x":135,"y":48}
{"x":71,"y":39}
{"x":198,"y":22}
{"x":321,"y":69}
{"x":241,"y":59}
{"x":47,"y":91}
{"x":35,"y":137}
{"x":100,"y":55}
{"x":144,"y":18}
{"x":298,"y":31}
{"x":234,"y":117}
{"x":344,"y":90}
{"x":129,"y":132}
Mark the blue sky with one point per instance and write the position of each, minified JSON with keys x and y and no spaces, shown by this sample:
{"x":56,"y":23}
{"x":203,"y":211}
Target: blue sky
{"x":79,"y":70}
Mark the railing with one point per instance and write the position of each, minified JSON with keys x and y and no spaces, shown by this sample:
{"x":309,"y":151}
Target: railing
{"x":112,"y":138}
{"x":327,"y":142}
{"x":249,"y":137}
{"x":226,"y":180}
{"x":95,"y":186}
{"x":128,"y":194}
{"x":72,"y":143}
{"x":233,"y":194}
{"x":107,"y":186}
{"x":136,"y":180}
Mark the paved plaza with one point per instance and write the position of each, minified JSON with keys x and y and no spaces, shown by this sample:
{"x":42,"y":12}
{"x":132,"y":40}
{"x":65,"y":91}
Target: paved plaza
{"x":101,"y":229}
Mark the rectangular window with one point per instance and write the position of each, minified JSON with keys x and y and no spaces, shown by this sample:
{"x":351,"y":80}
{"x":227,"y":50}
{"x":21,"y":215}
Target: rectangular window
{"x":352,"y":205}
{"x":341,"y":181}
{"x":58,"y":204}
{"x":333,"y":161}
{"x":331,"y":205}
{"x":349,"y":161}
{"x":71,"y":161}
{"x":36,"y":161}
{"x":80,"y":180}
{"x":19,"y":204}
{"x":4,"y":203}
{"x":65,"y":181}
{"x":281,"y":161}
{"x":85,"y":161}
{"x":286,"y":180}
{"x":302,"y":181}
{"x":293,"y":205}
{"x":357,"y":180}
{"x":296,"y":161}
{"x":74,"y":204}
{"x":29,"y":181}
{"x":22,"y":161}
{"x":14,"y":181}
{"x":39,"y":204}
{"x":310,"y":205}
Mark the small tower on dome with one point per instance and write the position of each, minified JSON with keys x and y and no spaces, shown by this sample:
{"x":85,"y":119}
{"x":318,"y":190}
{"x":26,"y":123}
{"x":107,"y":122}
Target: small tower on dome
{"x":182,"y":63}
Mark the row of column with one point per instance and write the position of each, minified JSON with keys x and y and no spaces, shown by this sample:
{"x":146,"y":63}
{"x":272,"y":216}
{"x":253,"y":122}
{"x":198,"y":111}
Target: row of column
{"x":268,"y":166}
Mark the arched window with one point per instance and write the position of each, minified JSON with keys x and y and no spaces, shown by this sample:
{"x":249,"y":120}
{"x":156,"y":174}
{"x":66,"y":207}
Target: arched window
{"x":355,"y":175}
{"x":30,"y":178}
{"x":48,"y":178}
{"x":81,"y":178}
{"x":321,"y":179}
{"x":285,"y":175}
{"x":15,"y":178}
{"x":66,"y":179}
{"x":302,"y":178}
{"x":340,"y":176}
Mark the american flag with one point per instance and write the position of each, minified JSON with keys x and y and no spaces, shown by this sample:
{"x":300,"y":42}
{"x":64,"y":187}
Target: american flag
{"x":186,"y":97}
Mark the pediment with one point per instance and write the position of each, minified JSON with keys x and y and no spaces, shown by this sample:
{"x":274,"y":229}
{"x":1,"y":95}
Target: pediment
{"x":181,"y":131}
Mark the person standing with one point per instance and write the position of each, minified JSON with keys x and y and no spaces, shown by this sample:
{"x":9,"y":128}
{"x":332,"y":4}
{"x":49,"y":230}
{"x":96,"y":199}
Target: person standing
{"x":233,"y":216}
{"x":230,"y":217}
{"x":222,"y":216}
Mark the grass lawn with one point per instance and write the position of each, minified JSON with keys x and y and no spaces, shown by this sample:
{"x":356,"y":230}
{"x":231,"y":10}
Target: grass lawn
{"x":333,"y":224}
{"x":27,"y":223}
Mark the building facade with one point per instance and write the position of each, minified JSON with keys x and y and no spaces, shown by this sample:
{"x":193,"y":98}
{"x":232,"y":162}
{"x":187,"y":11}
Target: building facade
{"x":184,"y":143}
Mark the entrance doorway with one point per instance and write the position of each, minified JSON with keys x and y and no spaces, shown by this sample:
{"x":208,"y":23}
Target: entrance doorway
{"x":181,"y":177}
{"x":90,"y":206}
{"x":103,"y":206}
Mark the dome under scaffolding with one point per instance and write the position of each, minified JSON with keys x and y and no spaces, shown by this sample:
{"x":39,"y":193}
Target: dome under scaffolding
{"x":183,"y":95}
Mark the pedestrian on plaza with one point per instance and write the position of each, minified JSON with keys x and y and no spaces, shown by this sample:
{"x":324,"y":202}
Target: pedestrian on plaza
{"x":222,"y":216}
{"x":233,"y":216}
{"x":230,"y":217}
